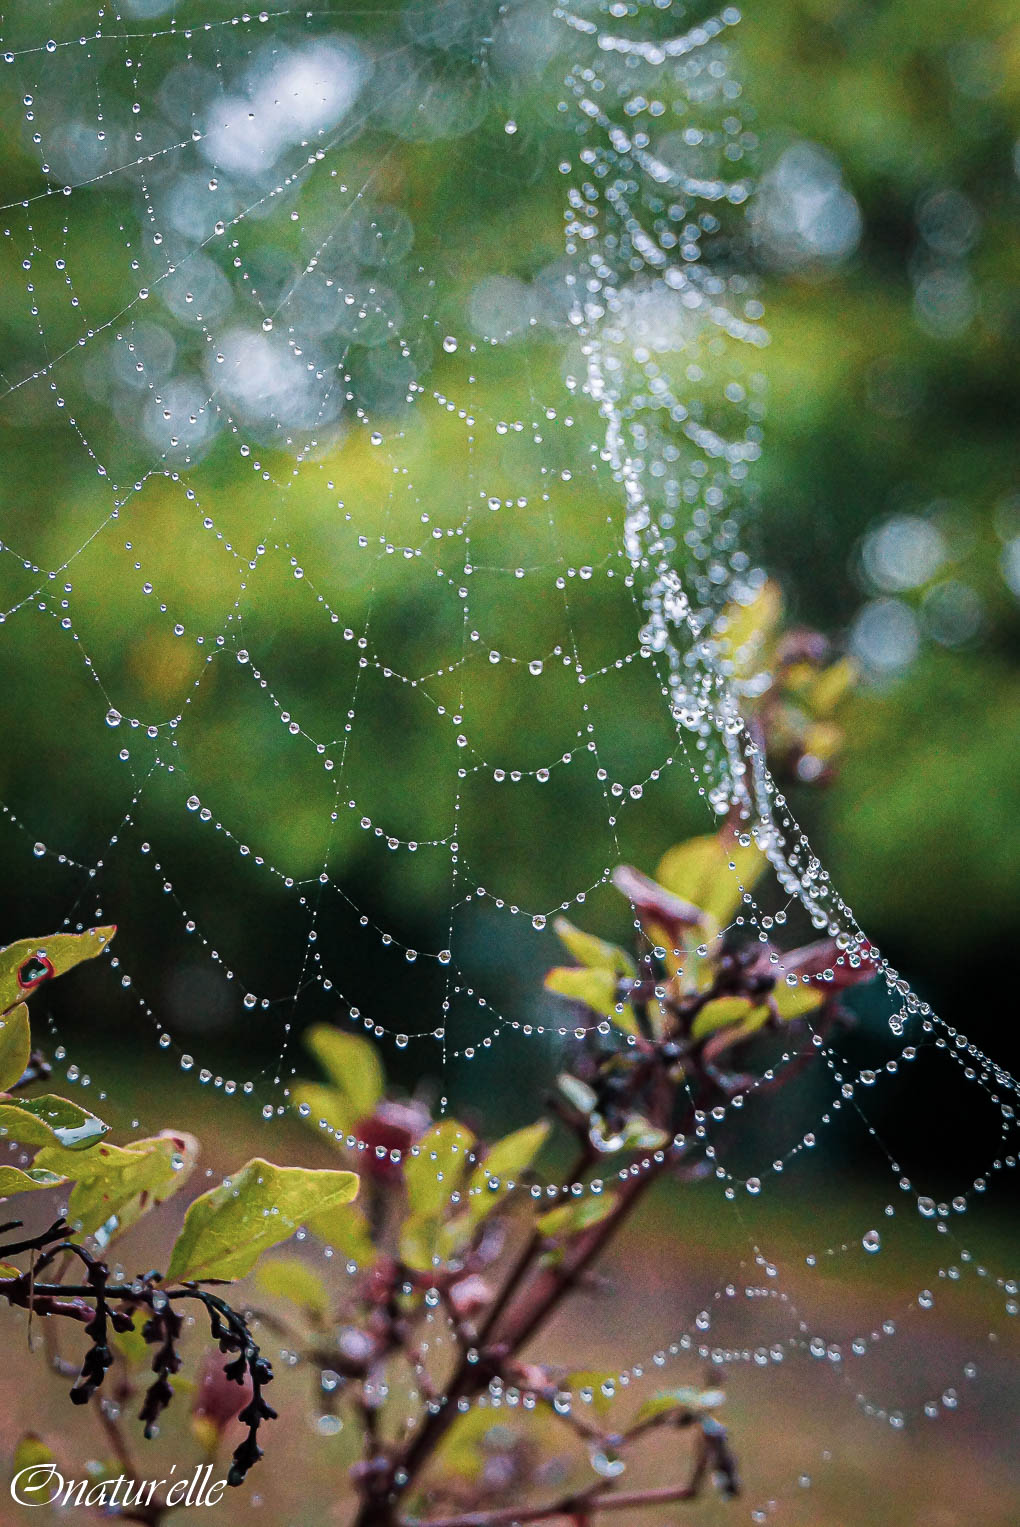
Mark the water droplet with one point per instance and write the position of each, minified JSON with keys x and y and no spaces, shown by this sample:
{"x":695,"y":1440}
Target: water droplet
{"x":193,"y":803}
{"x":242,"y":656}
{"x":871,"y":1240}
{"x":113,"y":717}
{"x":926,"y":1206}
{"x":449,"y":344}
{"x":753,"y":1184}
{"x":39,"y":849}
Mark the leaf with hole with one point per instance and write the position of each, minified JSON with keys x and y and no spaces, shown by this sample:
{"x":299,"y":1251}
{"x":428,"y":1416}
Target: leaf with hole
{"x":33,"y":961}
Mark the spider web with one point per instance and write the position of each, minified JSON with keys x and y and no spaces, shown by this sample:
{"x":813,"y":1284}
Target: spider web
{"x":389,"y":598}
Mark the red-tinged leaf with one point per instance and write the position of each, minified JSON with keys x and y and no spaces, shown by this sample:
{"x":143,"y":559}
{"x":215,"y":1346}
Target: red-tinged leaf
{"x":653,"y":903}
{"x":812,"y":959}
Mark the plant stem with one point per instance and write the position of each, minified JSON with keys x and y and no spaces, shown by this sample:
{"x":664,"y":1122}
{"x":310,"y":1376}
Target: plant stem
{"x":509,"y":1516}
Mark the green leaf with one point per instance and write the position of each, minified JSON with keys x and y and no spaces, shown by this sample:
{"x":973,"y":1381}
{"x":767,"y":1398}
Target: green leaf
{"x":227,"y":1229}
{"x":15,"y":1046}
{"x":596,"y":989}
{"x":438,"y":1168}
{"x":699,"y":871}
{"x":13,"y":1180}
{"x":32,"y":1452}
{"x":352,"y":1065}
{"x":329,"y":1104}
{"x":33,"y":961}
{"x":748,"y":627}
{"x":580,"y":1214}
{"x":513,"y":1154}
{"x":683,"y":1400}
{"x":594,"y":952}
{"x":593,"y":1380}
{"x":115,"y":1185}
{"x":507,"y":1159}
{"x":290,"y":1278}
{"x":49,"y":1119}
{"x":793,"y":1001}
{"x":345,"y":1227}
{"x":721,"y":1012}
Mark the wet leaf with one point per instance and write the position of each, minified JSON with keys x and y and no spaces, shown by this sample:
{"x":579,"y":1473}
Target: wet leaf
{"x":13,"y":1180}
{"x":33,"y":961}
{"x":699,"y":870}
{"x":352,"y":1065}
{"x":600,"y":1402}
{"x":596,"y":989}
{"x":227,"y":1229}
{"x":345,"y":1227}
{"x":658,"y":904}
{"x":114,"y":1186}
{"x":748,"y":628}
{"x":690,"y":1400}
{"x":581,"y":1214}
{"x":491,"y":1181}
{"x":326,"y":1103}
{"x":594,"y":952}
{"x":15,"y":1045}
{"x":793,"y":1001}
{"x":439,"y":1167}
{"x":49,"y":1120}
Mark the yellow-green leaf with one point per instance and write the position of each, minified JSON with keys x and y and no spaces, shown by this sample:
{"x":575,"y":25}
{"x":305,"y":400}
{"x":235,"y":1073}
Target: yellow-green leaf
{"x":690,"y":1400}
{"x":13,"y":1180}
{"x":226,"y":1230}
{"x":507,"y":1159}
{"x":831,"y":685}
{"x":439,"y":1167}
{"x":596,"y":989}
{"x":15,"y":1045}
{"x":325,"y":1103}
{"x":748,"y":627}
{"x":580,"y":1214}
{"x":292,"y":1279}
{"x":793,"y":1001}
{"x":699,"y":871}
{"x":49,"y":1120}
{"x":32,"y":1452}
{"x":33,"y":961}
{"x":346,"y":1228}
{"x":352,"y":1064}
{"x":115,"y":1185}
{"x":719,"y":1013}
{"x":510,"y":1156}
{"x":594,"y":952}
{"x":596,"y":1382}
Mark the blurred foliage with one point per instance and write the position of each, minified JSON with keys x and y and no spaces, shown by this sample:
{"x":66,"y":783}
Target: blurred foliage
{"x":885,"y":400}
